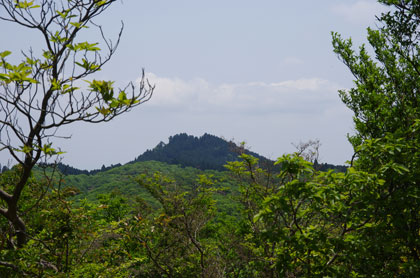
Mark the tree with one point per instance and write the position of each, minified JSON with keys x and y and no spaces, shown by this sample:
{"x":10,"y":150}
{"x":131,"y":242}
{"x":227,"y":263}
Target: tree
{"x":364,"y":222}
{"x":42,"y":94}
{"x":386,"y":106}
{"x":64,"y":239}
{"x":176,"y":240}
{"x":297,"y":222}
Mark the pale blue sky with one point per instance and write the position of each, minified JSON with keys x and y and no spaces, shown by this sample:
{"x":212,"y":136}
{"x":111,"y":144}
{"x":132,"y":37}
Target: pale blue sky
{"x":262,"y":72}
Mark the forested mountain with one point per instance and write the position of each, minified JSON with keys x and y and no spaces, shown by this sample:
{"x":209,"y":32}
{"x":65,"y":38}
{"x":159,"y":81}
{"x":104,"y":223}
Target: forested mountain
{"x":209,"y":152}
{"x":70,"y":170}
{"x":184,"y":158}
{"x":205,"y":152}
{"x":324,"y":167}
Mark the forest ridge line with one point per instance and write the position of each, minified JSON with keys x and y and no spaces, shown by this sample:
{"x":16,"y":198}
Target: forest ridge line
{"x":206,"y":152}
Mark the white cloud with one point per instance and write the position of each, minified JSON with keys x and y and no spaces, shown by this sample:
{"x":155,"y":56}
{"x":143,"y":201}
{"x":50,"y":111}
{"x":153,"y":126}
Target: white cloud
{"x":312,"y":84}
{"x":361,"y":12}
{"x":174,"y":91}
{"x":310,"y":95}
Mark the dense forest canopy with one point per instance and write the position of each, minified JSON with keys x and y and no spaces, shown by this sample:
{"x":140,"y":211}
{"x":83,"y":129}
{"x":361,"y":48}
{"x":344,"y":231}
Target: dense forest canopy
{"x":290,"y":220}
{"x":205,"y":152}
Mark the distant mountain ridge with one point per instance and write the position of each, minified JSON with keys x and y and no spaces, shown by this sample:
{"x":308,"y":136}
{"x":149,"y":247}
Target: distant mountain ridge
{"x":207,"y":152}
{"x":70,"y":170}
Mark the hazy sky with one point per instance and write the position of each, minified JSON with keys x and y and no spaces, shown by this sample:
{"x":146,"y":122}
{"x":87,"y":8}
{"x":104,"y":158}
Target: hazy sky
{"x":262,"y":72}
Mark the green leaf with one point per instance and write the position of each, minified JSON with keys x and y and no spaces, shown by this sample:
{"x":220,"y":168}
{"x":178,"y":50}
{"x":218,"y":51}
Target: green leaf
{"x":78,"y":25}
{"x":63,"y":14}
{"x":104,"y":111}
{"x":101,"y":2}
{"x":4,"y":77}
{"x":4,"y":54}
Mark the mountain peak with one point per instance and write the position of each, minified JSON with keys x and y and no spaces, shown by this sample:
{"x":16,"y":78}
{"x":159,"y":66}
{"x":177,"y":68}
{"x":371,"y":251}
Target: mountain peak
{"x":204,"y":152}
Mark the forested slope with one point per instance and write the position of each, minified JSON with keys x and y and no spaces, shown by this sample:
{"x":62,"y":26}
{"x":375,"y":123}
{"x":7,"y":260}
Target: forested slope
{"x":205,"y":152}
{"x":124,"y":180}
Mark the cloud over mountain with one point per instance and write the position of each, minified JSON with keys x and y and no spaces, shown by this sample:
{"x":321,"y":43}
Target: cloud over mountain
{"x":305,"y":95}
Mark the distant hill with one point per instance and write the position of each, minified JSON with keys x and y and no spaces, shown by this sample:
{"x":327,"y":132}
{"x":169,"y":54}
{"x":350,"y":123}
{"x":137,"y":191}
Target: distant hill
{"x":183,"y":158}
{"x":69,"y":170}
{"x":326,"y":167}
{"x":207,"y":152}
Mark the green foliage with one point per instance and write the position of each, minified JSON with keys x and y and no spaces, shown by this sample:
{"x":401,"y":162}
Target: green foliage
{"x":176,"y":240}
{"x":20,"y":74}
{"x":205,"y":152}
{"x":386,"y":106}
{"x":64,"y":240}
{"x":113,"y":205}
{"x":123,"y":179}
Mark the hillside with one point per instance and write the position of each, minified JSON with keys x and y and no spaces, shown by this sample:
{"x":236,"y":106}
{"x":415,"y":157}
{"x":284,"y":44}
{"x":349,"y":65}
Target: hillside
{"x":124,"y":179}
{"x":182,"y":159}
{"x":205,"y":152}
